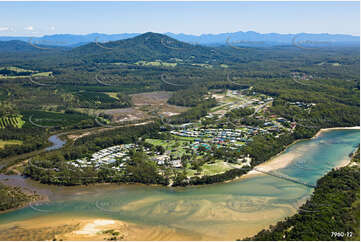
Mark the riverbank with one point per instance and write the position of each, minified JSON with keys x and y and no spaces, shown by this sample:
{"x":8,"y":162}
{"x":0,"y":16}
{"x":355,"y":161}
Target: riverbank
{"x":15,"y":197}
{"x":283,"y":159}
{"x":335,"y":128}
{"x":280,"y":160}
{"x":65,"y":228}
{"x":211,"y":212}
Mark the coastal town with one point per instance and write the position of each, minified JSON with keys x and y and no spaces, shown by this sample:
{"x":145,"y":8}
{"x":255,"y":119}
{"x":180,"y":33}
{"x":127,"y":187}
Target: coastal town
{"x":191,"y":146}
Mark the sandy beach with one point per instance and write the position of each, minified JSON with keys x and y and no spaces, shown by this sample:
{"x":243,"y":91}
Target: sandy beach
{"x":335,"y":128}
{"x":283,"y":159}
{"x":246,"y":222}
{"x":67,"y":228}
{"x":277,"y":162}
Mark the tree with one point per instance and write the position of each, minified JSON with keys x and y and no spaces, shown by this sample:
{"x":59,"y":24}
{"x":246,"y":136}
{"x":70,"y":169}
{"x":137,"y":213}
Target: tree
{"x":160,"y":149}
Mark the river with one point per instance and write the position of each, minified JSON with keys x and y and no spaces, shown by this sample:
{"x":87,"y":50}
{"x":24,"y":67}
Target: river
{"x":226,"y":211}
{"x":57,"y":143}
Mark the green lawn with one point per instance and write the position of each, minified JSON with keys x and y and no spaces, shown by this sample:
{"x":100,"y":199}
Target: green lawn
{"x":210,"y":169}
{"x":42,"y":74}
{"x":218,"y":167}
{"x":155,"y":141}
{"x":184,"y":138}
{"x":112,"y":94}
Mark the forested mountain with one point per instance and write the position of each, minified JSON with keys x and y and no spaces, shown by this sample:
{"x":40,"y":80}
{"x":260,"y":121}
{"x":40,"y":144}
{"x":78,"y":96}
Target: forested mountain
{"x":19,"y":46}
{"x":148,"y":47}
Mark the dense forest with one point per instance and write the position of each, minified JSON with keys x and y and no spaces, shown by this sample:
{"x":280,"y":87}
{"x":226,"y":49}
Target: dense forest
{"x":189,"y":97}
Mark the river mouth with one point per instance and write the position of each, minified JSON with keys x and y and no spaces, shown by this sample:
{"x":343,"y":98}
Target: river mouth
{"x":226,"y":211}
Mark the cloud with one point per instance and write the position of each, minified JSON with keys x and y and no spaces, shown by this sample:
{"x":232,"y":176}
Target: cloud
{"x":29,"y":28}
{"x":4,"y":28}
{"x":52,"y":28}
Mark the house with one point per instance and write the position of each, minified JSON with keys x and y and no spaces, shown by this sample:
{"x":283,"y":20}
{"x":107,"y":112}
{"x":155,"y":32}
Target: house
{"x":281,"y":120}
{"x":176,"y":163}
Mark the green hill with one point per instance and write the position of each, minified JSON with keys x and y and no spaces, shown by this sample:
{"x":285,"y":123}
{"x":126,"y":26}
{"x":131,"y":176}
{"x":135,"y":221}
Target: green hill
{"x":146,"y":47}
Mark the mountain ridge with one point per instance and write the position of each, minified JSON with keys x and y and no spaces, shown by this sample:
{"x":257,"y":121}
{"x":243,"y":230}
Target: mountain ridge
{"x":249,"y":38}
{"x":147,"y":46}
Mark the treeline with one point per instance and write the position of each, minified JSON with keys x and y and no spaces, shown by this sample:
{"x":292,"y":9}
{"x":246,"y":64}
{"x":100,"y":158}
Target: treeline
{"x":13,"y":197}
{"x":53,"y":167}
{"x":14,"y":73}
{"x":263,"y":147}
{"x":190,"y":97}
{"x":322,"y":115}
{"x":33,"y":139}
{"x":240,"y":112}
{"x":356,"y":156}
{"x":243,"y":116}
{"x":332,"y":213}
{"x":101,"y":100}
{"x":141,"y":169}
{"x":181,"y":180}
{"x":194,"y":113}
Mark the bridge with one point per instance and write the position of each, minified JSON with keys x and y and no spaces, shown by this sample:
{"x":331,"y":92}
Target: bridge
{"x":284,"y":177}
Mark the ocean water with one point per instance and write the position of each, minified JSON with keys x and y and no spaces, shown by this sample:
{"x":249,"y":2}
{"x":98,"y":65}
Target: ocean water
{"x":225,"y":211}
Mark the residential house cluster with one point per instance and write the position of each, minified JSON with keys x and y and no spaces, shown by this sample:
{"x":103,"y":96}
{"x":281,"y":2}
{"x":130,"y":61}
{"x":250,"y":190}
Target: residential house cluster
{"x":105,"y":157}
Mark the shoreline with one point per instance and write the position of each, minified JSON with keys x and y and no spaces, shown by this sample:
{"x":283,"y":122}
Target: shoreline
{"x":274,"y":163}
{"x":94,"y":227}
{"x":334,"y":128}
{"x":33,"y":195}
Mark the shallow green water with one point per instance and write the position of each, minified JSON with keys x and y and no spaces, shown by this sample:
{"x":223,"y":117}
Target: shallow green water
{"x":221,"y":211}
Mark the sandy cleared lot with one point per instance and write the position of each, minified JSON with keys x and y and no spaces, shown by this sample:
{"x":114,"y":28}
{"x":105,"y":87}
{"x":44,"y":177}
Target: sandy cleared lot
{"x":146,"y":105}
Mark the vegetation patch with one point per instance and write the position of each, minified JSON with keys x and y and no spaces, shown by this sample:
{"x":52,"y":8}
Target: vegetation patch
{"x":3,"y":143}
{"x":335,"y":209}
{"x":56,"y":119}
{"x":15,"y":121}
{"x":103,"y":100}
{"x":13,"y":197}
{"x":16,"y":72}
{"x":156,"y":63}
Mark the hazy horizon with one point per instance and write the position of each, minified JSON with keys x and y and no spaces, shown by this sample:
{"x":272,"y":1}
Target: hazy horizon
{"x":84,"y":34}
{"x":193,"y":18}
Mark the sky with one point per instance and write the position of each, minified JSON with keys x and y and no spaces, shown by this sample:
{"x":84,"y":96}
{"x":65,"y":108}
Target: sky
{"x":46,"y":18}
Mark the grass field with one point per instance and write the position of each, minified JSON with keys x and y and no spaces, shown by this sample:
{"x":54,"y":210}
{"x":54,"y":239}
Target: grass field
{"x":17,"y":69}
{"x":43,"y":118}
{"x":18,"y":73}
{"x":12,"y":121}
{"x":155,"y":63}
{"x":112,"y":94}
{"x":183,"y":138}
{"x":218,"y":167}
{"x":9,"y":142}
{"x":42,"y":74}
{"x":210,"y":169}
{"x":176,"y":147}
{"x":207,"y":66}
